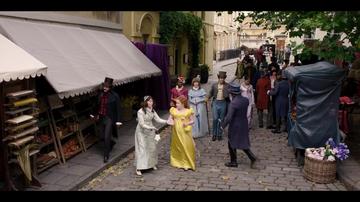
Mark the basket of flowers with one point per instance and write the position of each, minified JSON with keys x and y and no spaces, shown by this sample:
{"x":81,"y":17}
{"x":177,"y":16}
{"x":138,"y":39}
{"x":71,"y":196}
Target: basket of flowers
{"x":320,"y":163}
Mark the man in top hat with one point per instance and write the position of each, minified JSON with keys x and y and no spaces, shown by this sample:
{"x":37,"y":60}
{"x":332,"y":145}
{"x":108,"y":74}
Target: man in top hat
{"x":179,"y":89}
{"x":238,"y":132}
{"x":219,"y":93}
{"x":108,"y":113}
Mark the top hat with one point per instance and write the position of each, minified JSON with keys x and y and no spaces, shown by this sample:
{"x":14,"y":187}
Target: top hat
{"x":234,"y":88}
{"x":221,"y":74}
{"x":108,"y":82}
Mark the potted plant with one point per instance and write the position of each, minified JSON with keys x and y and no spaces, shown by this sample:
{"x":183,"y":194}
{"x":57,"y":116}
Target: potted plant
{"x":127,"y":104}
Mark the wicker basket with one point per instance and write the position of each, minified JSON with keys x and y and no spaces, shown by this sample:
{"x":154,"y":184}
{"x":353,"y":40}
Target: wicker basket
{"x":319,"y":171}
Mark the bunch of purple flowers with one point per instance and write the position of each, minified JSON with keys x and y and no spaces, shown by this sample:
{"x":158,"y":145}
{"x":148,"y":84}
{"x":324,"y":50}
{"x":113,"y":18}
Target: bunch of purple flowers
{"x":341,"y":150}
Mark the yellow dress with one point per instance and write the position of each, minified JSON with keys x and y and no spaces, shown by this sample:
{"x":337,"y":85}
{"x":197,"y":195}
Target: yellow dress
{"x":182,"y":149}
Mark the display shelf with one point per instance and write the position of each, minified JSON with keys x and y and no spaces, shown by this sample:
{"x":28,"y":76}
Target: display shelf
{"x":17,"y":111}
{"x":49,"y":164}
{"x":22,"y":126}
{"x":73,"y":153}
{"x":42,"y":145}
{"x":19,"y":119}
{"x":22,"y":134}
{"x":68,"y":134}
{"x":20,"y":93}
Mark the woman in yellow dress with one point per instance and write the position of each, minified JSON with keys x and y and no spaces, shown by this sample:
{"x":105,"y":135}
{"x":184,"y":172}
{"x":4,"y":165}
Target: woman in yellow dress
{"x":182,"y":148}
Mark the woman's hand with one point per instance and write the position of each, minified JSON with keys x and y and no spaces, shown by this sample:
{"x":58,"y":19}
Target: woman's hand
{"x":170,"y":121}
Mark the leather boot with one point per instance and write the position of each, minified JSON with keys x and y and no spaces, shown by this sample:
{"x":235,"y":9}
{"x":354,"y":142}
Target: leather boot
{"x":233,"y":157}
{"x":277,"y":129}
{"x":231,"y":164}
{"x":252,"y":158}
{"x":260,"y":116}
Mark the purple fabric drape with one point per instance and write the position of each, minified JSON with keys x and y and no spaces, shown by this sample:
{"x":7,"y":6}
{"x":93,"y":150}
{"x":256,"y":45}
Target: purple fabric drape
{"x":159,"y":87}
{"x":140,"y":46}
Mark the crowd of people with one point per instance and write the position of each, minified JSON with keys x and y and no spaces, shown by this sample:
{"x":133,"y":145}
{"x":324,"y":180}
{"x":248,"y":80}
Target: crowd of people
{"x":256,"y":85}
{"x":232,"y":106}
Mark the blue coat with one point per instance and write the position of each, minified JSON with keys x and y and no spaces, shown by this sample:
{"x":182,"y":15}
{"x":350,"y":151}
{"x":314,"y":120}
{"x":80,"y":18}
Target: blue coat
{"x":236,"y":118}
{"x":281,"y":91}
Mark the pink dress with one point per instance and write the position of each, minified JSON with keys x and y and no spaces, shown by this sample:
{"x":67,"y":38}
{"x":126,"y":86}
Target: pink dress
{"x":176,"y":93}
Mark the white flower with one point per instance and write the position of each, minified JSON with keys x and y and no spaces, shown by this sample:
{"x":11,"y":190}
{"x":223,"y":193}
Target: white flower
{"x":331,"y":158}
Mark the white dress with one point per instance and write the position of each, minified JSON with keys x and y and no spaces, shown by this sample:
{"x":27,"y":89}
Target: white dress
{"x":145,"y":144}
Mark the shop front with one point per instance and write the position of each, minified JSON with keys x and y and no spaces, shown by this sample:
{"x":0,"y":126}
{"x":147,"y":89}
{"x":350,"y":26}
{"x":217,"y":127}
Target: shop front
{"x":78,"y":58}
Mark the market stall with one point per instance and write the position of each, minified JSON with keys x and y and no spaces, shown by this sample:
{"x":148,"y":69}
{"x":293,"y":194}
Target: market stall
{"x":18,"y":115}
{"x":78,"y":58}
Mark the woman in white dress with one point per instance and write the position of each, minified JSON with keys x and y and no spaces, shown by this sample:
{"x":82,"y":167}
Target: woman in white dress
{"x":247,"y":91}
{"x":146,"y":140}
{"x":197,"y":102}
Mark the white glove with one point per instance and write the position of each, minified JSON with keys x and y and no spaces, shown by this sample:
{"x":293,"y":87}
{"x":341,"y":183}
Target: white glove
{"x":157,"y":137}
{"x":170,"y":122}
{"x":268,"y":92}
{"x":118,"y":123}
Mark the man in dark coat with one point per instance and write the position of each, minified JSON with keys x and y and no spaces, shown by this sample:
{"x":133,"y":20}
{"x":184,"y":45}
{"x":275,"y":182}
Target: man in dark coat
{"x":219,"y":93}
{"x":108,"y":113}
{"x":262,"y":86}
{"x":281,"y":91}
{"x":238,"y":131}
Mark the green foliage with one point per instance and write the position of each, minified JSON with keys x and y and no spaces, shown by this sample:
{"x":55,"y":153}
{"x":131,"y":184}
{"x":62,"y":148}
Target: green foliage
{"x":298,"y":23}
{"x":174,"y":23}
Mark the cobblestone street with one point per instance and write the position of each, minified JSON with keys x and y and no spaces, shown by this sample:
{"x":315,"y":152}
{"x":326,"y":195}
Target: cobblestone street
{"x":277,"y":167}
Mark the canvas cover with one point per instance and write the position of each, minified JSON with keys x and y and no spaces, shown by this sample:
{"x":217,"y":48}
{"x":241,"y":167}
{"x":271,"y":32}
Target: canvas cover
{"x":79,"y":57}
{"x":317,"y":90}
{"x":16,"y":63}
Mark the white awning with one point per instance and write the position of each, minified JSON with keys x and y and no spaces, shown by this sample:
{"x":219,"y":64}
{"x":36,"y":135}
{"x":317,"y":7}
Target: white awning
{"x":16,"y":63}
{"x":79,"y":58}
